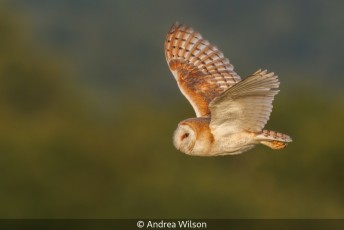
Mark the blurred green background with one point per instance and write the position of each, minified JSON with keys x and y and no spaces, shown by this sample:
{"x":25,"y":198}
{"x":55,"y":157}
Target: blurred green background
{"x":88,"y":107}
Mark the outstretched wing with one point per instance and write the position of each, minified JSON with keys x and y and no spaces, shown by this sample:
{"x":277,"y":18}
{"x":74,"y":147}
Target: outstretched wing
{"x":245,"y":106}
{"x":200,"y":69}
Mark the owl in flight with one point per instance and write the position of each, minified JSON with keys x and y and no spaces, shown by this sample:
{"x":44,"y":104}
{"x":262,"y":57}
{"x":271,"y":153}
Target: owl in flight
{"x":230,"y":113}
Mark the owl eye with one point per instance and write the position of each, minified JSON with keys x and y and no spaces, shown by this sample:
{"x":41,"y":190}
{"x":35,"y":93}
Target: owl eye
{"x":185,"y":135}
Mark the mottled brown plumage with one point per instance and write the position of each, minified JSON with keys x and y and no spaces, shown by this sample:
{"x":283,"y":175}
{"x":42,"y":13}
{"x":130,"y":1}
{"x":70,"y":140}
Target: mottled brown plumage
{"x":201,"y":70}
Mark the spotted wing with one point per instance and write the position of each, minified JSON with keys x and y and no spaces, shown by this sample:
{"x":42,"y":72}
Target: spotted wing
{"x":200,"y":69}
{"x":246,"y":106}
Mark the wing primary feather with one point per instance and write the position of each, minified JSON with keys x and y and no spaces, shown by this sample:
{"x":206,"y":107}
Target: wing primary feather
{"x":200,"y":68}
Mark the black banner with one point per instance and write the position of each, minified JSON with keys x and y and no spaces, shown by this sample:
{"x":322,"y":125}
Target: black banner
{"x":216,"y":224}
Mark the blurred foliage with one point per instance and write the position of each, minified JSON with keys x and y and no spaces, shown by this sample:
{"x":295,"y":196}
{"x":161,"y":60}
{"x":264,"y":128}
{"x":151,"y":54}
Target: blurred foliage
{"x":104,"y":38}
{"x":60,"y":157}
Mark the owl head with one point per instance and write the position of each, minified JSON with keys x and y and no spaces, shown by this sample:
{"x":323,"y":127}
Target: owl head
{"x":184,"y":138}
{"x":193,"y":135}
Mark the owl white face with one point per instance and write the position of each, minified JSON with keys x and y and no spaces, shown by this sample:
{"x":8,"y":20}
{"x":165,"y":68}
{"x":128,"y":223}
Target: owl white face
{"x":184,"y":138}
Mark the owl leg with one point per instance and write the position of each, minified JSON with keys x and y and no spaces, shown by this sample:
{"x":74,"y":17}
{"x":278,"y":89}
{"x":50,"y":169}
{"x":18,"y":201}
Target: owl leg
{"x":273,"y":139}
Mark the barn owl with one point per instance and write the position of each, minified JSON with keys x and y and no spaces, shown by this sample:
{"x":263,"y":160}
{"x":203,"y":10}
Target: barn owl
{"x":230,"y":113}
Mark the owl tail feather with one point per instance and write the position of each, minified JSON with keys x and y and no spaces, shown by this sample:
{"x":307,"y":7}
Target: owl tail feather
{"x":272,"y":139}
